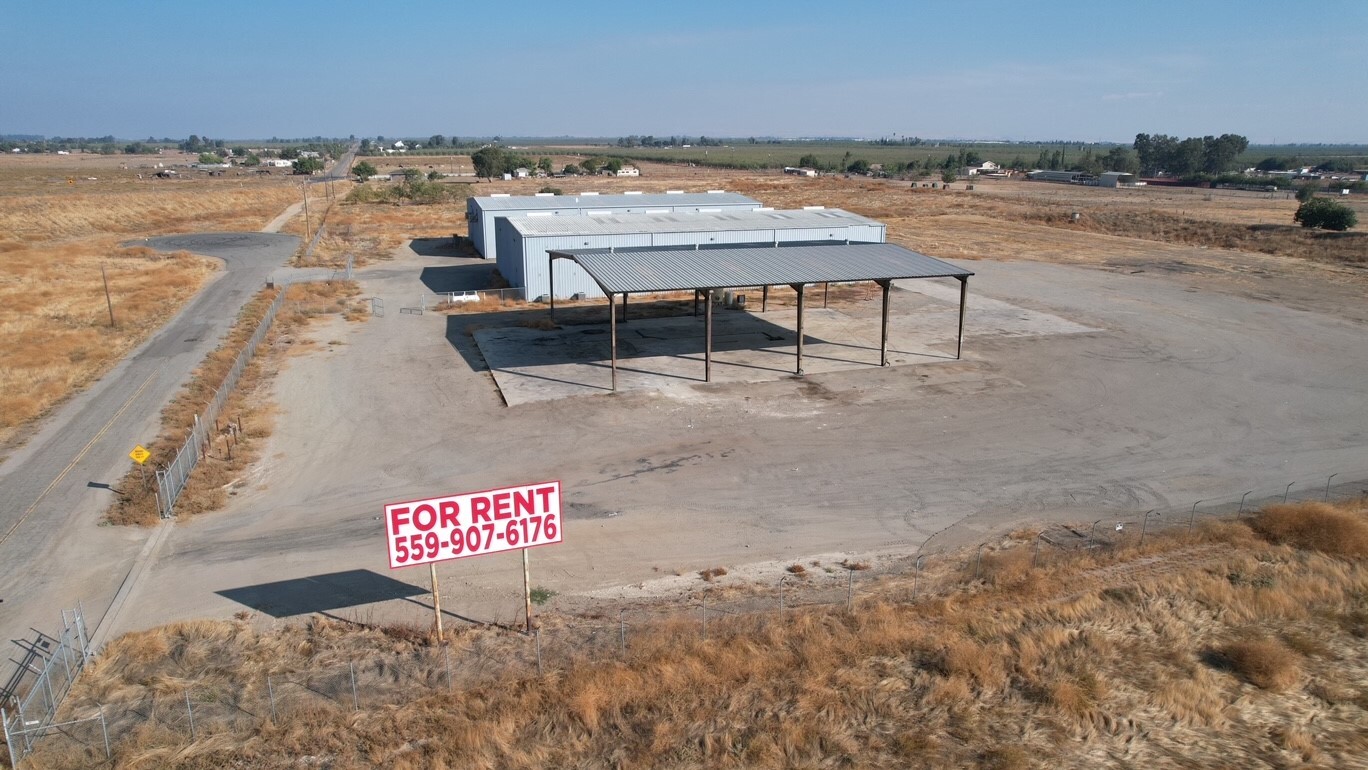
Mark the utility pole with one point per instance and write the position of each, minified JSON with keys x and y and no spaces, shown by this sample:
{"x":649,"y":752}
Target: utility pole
{"x":108,"y":301}
{"x":307,"y":227}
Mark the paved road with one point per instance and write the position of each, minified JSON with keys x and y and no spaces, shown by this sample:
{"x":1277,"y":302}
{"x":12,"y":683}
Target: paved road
{"x":54,"y":489}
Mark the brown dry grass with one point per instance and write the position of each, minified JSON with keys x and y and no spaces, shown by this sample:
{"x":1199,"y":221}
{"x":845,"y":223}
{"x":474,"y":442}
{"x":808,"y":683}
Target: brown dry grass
{"x":247,"y":417}
{"x":53,"y":239}
{"x":1315,"y":526}
{"x":1086,"y":662}
{"x":1266,"y":663}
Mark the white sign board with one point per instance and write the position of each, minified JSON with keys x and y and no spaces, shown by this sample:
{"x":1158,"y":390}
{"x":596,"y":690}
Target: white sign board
{"x":472,"y":524}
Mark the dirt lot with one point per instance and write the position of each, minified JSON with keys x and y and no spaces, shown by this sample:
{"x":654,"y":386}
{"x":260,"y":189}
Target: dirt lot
{"x":1208,"y":372}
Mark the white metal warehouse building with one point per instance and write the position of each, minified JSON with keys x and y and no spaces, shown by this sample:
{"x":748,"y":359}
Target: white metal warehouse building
{"x":525,"y":241}
{"x":483,"y":213}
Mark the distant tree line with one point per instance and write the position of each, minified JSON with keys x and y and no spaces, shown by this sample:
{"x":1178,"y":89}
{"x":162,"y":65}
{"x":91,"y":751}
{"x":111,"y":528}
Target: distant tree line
{"x":673,"y":141}
{"x":1189,"y":157}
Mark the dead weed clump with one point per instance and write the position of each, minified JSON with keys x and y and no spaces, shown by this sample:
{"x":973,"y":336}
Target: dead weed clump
{"x":1265,"y":663}
{"x":1330,"y":529}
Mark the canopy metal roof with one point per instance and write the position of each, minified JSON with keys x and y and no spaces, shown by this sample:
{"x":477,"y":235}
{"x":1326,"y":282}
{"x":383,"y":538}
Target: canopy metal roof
{"x":621,"y":271}
{"x":689,"y":222}
{"x":530,"y":203}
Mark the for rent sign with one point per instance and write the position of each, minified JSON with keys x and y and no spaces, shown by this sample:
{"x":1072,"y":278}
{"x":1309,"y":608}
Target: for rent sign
{"x":473,"y":524}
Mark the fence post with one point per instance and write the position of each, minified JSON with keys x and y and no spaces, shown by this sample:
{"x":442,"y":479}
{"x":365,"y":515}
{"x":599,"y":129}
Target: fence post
{"x":622,"y":632}
{"x":356,"y":703}
{"x":446,"y":657}
{"x":1288,"y":489}
{"x":189,"y":710}
{"x":270,"y":693}
{"x":978,"y":559}
{"x":705,"y":618}
{"x":537,"y":637}
{"x":104,"y":729}
{"x":9,"y":741}
{"x":850,"y":589}
{"x":1240,"y":512}
{"x":1193,"y":514}
{"x":1144,"y":525}
{"x":1327,"y":487}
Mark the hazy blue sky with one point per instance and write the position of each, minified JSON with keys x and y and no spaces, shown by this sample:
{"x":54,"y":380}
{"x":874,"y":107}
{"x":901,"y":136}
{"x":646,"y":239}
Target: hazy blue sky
{"x":1097,"y":70}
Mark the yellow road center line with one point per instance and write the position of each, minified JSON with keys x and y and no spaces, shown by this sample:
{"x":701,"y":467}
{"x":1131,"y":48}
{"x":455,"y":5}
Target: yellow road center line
{"x":82,"y":453}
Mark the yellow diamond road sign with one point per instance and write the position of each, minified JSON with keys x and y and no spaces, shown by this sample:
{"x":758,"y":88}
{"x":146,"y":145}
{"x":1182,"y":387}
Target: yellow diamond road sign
{"x":139,"y":454}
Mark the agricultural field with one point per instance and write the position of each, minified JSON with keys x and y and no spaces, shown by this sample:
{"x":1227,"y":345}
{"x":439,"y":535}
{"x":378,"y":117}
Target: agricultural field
{"x":743,"y":154}
{"x":63,"y":219}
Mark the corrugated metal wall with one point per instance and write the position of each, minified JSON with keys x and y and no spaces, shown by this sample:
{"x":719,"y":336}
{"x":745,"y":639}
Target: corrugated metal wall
{"x":531,"y":268}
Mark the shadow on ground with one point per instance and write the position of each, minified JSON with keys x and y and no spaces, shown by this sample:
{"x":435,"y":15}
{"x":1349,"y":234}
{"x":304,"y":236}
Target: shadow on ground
{"x":320,"y":593}
{"x":463,"y":275}
{"x":580,"y":335}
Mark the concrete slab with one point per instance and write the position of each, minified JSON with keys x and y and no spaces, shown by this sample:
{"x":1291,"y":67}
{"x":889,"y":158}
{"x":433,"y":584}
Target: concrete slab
{"x":667,"y":354}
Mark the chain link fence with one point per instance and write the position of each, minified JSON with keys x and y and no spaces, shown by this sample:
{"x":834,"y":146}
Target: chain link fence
{"x":171,"y":479}
{"x":30,"y":708}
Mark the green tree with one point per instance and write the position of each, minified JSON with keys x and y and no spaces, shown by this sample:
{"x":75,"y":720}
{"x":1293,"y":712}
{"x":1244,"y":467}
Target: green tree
{"x":489,"y":162}
{"x":858,"y":166}
{"x":614,"y":165}
{"x":209,"y":158}
{"x":809,"y":161}
{"x":1120,"y":159}
{"x":948,"y":176}
{"x":1274,"y":163}
{"x":437,"y":140}
{"x":308,"y":165}
{"x":544,"y":163}
{"x":434,"y":175}
{"x":1325,"y":214}
{"x":1306,"y":192}
{"x":571,"y":170}
{"x":363,"y":170}
{"x":251,"y":160}
{"x":239,"y":152}
{"x":1219,"y":152}
{"x":590,"y":165}
{"x":289,"y":153}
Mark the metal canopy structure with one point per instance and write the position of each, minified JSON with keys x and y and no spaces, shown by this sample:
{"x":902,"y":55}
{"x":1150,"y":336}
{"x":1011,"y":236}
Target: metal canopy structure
{"x":706,"y":270}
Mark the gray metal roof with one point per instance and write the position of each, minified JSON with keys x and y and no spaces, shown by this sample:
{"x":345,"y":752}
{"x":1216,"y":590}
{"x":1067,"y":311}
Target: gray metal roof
{"x":687,"y":222}
{"x":676,"y":269}
{"x":534,"y":203}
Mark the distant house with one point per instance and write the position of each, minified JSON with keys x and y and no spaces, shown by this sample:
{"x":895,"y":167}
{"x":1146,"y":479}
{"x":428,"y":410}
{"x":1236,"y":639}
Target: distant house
{"x":308,"y":154}
{"x":629,"y":171}
{"x":521,"y":173}
{"x":277,"y":163}
{"x":800,"y":171}
{"x":986,"y":167}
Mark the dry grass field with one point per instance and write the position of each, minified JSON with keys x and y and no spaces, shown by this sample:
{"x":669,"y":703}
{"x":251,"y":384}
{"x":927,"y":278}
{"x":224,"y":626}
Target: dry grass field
{"x":61,"y":219}
{"x":1239,"y":644}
